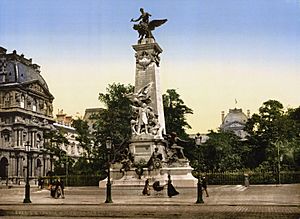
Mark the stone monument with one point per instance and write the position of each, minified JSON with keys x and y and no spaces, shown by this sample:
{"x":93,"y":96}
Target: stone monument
{"x":153,"y":154}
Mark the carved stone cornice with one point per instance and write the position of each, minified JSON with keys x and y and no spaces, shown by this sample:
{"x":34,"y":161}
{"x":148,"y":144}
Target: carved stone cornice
{"x":146,"y":54}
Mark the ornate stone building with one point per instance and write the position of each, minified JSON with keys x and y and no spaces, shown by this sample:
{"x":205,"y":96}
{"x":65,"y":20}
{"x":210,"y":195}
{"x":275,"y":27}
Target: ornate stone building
{"x":26,"y":115}
{"x":235,"y":122}
{"x":64,"y":124}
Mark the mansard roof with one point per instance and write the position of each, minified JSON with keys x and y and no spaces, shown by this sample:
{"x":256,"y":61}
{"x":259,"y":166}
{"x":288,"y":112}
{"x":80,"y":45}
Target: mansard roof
{"x":20,"y":70}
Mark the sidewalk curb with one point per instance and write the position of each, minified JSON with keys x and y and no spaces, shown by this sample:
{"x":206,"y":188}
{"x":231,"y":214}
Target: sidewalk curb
{"x":152,"y":204}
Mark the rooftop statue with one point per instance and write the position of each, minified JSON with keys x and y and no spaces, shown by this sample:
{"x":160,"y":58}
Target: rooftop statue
{"x":144,"y":27}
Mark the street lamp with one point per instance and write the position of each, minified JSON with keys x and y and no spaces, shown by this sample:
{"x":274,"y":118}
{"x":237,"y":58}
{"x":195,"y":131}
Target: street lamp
{"x":27,"y":186}
{"x":67,"y":169}
{"x":108,"y":184}
{"x":279,"y":159}
{"x":6,"y":173}
{"x":198,"y":139}
{"x":65,"y":163}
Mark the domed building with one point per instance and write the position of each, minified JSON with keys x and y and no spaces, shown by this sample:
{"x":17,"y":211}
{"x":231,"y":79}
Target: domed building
{"x":235,"y":122}
{"x":26,"y":115}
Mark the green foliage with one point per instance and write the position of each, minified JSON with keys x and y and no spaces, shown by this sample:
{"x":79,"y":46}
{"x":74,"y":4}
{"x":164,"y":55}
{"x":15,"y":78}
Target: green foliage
{"x":273,"y":133}
{"x":273,"y":143}
{"x":114,"y":120}
{"x":90,"y":166}
{"x":222,"y":152}
{"x":81,"y":179}
{"x":53,"y":141}
{"x":93,"y":160}
{"x":84,"y":136}
{"x":257,"y":177}
{"x":175,"y":113}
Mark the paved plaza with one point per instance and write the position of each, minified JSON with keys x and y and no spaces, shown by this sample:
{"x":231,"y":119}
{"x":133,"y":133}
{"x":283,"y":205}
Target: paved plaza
{"x":224,"y":201}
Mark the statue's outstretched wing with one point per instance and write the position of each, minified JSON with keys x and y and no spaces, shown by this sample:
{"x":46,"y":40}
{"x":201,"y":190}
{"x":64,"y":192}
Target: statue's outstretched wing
{"x":156,"y":23}
{"x":144,"y":91}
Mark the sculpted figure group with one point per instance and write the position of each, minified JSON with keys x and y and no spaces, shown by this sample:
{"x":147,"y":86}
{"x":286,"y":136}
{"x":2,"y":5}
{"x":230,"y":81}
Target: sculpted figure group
{"x":144,"y":121}
{"x":144,"y":27}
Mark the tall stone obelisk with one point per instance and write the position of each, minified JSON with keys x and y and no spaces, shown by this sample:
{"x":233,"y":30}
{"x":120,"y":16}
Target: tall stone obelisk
{"x":147,"y":73}
{"x":149,"y":124}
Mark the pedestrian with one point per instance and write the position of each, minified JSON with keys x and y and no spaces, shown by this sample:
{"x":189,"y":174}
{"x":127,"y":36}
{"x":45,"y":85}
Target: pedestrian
{"x":52,"y":190}
{"x":42,"y":183}
{"x":246,"y":180}
{"x":171,"y":190}
{"x":146,"y":190}
{"x":62,"y":186}
{"x":55,"y":189}
{"x":204,"y":185}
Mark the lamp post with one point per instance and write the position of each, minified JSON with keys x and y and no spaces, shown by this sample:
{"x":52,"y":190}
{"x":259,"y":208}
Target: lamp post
{"x":6,"y":173}
{"x":67,"y":169}
{"x":198,"y":139}
{"x":64,"y":163}
{"x":279,"y":160}
{"x":27,"y":186}
{"x":108,"y":184}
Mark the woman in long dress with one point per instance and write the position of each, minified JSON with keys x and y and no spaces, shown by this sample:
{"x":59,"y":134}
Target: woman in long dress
{"x":146,"y":190}
{"x":171,"y":190}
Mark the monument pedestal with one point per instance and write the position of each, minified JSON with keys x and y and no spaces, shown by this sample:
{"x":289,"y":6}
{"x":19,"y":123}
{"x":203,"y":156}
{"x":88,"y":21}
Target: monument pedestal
{"x":142,"y":146}
{"x":181,"y":177}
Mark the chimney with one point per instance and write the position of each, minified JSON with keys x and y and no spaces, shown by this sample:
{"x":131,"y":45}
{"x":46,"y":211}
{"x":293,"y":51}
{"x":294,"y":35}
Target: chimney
{"x":248,"y":114}
{"x":60,"y":117}
{"x":222,"y":116}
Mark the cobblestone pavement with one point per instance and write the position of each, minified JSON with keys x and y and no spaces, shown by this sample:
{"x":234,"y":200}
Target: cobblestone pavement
{"x":229,"y":201}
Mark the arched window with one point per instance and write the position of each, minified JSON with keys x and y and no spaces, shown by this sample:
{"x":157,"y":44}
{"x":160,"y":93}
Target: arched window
{"x":3,"y":168}
{"x":38,"y":140}
{"x":24,"y":138}
{"x":5,"y":134}
{"x":38,"y":167}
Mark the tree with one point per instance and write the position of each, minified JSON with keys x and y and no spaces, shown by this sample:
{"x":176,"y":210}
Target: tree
{"x":175,"y":113}
{"x":84,"y":137}
{"x":271,"y":133}
{"x":91,"y":162}
{"x":222,"y":152}
{"x":54,"y":139}
{"x":114,"y":120}
{"x":294,"y":155}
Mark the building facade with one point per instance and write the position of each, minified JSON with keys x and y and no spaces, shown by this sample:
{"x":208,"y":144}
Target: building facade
{"x":26,"y":114}
{"x":64,"y":124}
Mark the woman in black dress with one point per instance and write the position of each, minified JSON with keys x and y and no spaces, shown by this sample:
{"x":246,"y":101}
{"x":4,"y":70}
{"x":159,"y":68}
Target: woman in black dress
{"x":146,"y":190}
{"x":171,"y":190}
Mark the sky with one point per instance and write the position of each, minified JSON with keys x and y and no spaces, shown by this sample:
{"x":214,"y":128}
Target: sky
{"x":214,"y":51}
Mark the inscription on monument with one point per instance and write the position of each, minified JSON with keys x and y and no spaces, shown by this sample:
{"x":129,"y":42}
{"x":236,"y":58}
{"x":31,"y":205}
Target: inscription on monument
{"x":142,"y":149}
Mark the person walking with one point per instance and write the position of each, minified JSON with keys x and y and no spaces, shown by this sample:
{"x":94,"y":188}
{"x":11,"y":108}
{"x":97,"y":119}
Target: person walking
{"x":146,"y":190}
{"x":62,"y":186}
{"x":171,"y":190}
{"x":204,"y":185}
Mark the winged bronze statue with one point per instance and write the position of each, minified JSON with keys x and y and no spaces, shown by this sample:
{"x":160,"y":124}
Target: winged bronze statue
{"x":144,"y":27}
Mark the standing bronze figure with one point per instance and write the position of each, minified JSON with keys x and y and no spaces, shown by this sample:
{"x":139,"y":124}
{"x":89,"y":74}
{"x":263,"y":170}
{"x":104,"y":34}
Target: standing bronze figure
{"x":144,"y":27}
